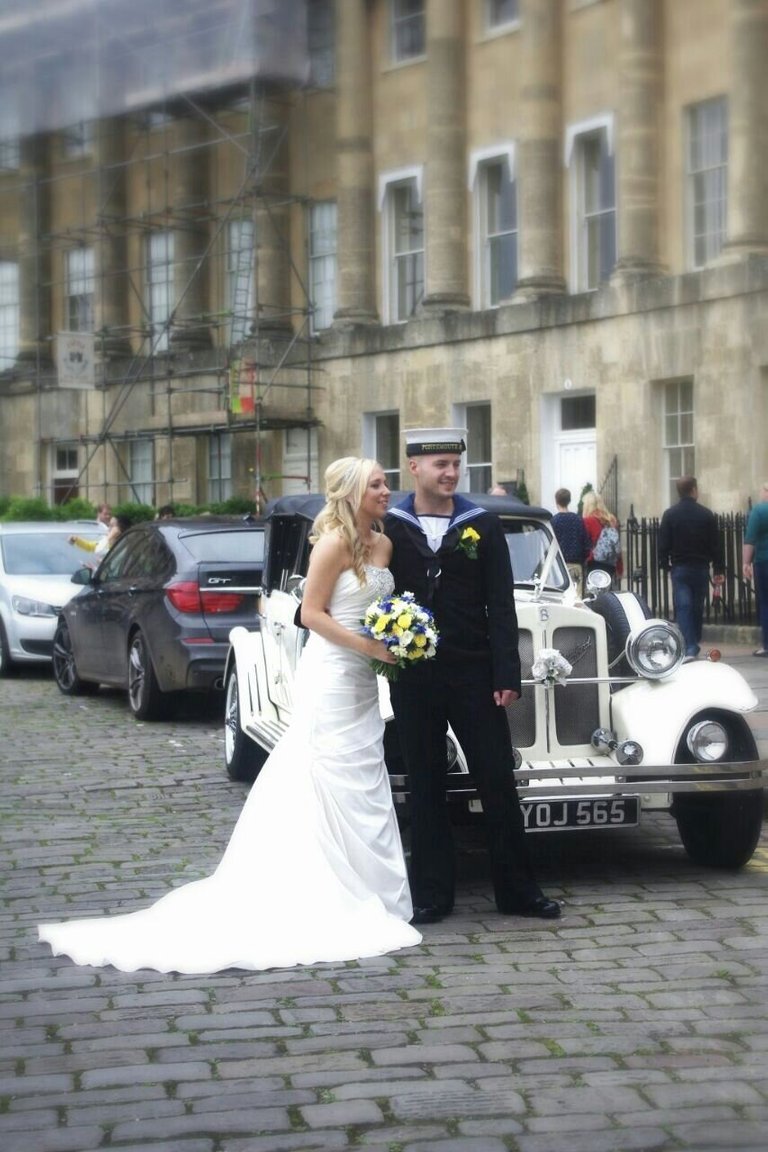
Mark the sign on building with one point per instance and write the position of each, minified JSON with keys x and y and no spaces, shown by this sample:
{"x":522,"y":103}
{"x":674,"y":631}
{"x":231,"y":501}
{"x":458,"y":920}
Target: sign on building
{"x":75,"y":359}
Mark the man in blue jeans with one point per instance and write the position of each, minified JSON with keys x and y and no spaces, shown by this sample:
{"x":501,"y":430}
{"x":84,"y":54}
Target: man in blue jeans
{"x":755,"y":562}
{"x":689,"y":541}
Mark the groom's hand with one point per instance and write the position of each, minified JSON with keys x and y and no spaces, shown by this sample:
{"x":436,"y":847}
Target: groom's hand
{"x":505,"y":696}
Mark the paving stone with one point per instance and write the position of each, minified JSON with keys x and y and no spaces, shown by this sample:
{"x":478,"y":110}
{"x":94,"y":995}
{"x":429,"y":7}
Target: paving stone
{"x":242,"y":1122}
{"x":722,"y":1136}
{"x":44,"y":1118}
{"x":287,"y":1142}
{"x":145,"y":1074}
{"x":610,"y":1140}
{"x":192,"y":1145}
{"x":455,"y":1098}
{"x":55,"y":1140}
{"x":402,"y":1136}
{"x":457,"y":1144}
{"x":350,"y":1112}
{"x":424,"y":1054}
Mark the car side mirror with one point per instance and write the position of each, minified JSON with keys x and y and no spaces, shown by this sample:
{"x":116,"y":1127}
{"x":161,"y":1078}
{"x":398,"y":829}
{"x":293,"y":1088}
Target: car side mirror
{"x":598,"y":581}
{"x":83,"y":575}
{"x":294,"y":585}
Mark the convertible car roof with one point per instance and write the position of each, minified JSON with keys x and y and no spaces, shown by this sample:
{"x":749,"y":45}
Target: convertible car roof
{"x":308,"y":504}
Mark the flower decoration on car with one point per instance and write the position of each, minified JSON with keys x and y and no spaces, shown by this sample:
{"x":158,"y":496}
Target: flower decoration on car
{"x":468,"y":542}
{"x":407,"y":629}
{"x":550,"y":667}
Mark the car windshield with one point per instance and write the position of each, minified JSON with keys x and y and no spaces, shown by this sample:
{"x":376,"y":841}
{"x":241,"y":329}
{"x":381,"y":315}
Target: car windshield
{"x":43,"y":553}
{"x":528,"y":542}
{"x":242,"y":545}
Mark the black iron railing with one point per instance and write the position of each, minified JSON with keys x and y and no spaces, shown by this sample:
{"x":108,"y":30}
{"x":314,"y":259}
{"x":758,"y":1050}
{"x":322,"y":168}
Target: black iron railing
{"x":736,"y":604}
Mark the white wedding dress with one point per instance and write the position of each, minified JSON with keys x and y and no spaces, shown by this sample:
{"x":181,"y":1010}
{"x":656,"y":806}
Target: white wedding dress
{"x":314,"y":870}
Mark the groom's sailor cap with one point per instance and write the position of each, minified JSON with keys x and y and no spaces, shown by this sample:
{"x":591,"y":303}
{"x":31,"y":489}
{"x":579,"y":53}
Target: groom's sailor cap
{"x":434,"y":441}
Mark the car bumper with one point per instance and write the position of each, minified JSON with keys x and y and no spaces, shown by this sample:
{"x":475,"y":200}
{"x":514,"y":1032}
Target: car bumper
{"x":591,"y":774}
{"x":204,"y":665}
{"x":549,"y":786}
{"x":30,"y":638}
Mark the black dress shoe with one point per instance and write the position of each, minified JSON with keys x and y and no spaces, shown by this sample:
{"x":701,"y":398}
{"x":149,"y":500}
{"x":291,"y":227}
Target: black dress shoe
{"x":428,"y":913}
{"x":541,"y":908}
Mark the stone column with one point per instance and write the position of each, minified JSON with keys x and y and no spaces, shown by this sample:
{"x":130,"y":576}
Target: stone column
{"x":540,"y":161}
{"x":638,"y":139}
{"x":445,"y":204}
{"x":354,"y":167}
{"x":111,"y":299}
{"x":272,"y":219}
{"x":188,"y":167}
{"x":34,"y":253}
{"x":748,"y":129}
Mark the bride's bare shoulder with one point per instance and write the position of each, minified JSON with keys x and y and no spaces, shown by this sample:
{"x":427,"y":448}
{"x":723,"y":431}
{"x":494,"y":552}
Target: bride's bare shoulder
{"x":331,"y":551}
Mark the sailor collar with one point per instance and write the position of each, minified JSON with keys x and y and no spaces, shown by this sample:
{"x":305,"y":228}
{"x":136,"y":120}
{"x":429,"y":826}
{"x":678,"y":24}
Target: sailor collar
{"x":463,"y":511}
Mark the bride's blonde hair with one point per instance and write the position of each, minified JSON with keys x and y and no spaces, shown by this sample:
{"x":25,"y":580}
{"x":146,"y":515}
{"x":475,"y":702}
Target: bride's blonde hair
{"x":346,"y":481}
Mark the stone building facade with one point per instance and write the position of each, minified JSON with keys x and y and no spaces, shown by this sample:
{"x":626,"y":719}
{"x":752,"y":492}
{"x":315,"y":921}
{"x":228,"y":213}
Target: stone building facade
{"x":544,"y":219}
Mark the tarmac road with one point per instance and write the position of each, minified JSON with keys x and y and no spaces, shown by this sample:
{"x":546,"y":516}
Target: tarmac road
{"x":638,"y":1021}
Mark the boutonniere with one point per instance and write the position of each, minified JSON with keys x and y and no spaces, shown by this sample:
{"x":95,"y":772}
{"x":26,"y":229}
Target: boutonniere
{"x":468,"y":542}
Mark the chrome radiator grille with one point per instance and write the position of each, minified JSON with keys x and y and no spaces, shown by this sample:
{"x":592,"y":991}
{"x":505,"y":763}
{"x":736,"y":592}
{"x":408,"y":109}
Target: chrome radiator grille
{"x":576,"y":706}
{"x":522,"y":714}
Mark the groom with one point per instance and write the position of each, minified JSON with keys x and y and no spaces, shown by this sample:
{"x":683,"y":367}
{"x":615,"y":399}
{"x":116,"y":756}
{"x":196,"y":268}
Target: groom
{"x":453,"y":556}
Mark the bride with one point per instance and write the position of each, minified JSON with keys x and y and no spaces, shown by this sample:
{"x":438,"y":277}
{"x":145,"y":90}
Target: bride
{"x":314,"y":869}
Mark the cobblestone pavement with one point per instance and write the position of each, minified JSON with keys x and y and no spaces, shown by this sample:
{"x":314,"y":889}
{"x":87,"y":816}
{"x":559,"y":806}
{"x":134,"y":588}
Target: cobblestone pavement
{"x":638,"y":1021}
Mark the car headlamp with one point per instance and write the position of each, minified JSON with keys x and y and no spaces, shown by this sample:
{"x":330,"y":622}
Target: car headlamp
{"x":26,"y":607}
{"x":655,"y":650}
{"x":707,"y":741}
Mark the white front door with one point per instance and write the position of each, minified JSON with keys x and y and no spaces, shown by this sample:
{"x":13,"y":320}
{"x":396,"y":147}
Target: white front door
{"x":575,"y":464}
{"x":568,"y":445}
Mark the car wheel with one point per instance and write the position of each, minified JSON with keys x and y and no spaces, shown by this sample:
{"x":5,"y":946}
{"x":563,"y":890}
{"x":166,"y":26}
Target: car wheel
{"x":64,"y":667}
{"x":722,"y":830}
{"x":6,"y":664}
{"x":622,"y":612}
{"x":243,"y":758}
{"x":145,"y":699}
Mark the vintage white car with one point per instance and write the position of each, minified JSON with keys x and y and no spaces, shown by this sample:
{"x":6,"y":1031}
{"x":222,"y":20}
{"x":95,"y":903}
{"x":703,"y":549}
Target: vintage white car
{"x":614,"y":721}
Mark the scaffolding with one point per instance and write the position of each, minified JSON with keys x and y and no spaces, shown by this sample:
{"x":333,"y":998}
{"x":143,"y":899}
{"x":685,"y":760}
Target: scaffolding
{"x":214,"y":338}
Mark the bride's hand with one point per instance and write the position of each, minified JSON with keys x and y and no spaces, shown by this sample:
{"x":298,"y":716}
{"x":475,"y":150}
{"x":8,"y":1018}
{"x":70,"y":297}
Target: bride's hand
{"x":377,"y":650}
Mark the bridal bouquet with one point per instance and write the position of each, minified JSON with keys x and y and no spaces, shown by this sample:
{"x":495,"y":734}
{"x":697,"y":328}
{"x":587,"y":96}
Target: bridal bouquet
{"x":407,"y":629}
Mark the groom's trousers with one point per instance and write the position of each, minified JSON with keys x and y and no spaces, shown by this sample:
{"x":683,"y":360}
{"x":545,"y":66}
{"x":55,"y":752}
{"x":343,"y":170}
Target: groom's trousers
{"x":425,"y":699}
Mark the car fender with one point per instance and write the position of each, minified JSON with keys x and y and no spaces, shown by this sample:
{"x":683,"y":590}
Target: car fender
{"x":247,"y":653}
{"x":657,"y":712}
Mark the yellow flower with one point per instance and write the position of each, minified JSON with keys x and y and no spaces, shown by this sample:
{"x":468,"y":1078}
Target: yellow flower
{"x":404,"y":621}
{"x":468,"y":542}
{"x":381,"y":624}
{"x":420,"y":640}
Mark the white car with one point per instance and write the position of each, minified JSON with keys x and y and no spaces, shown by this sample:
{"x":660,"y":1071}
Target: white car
{"x":613,"y":722}
{"x":36,"y":567}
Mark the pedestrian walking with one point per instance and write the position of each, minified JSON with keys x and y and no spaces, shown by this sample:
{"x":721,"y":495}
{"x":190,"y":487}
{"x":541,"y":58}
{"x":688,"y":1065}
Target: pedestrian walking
{"x":689,"y":542}
{"x":572,"y":535}
{"x":755,"y":562}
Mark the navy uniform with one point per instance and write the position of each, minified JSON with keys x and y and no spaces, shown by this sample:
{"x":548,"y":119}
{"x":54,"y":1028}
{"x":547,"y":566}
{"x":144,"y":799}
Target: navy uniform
{"x":472,"y":598}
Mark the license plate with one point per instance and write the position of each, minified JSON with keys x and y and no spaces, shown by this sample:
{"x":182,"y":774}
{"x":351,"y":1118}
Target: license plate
{"x":558,"y":815}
